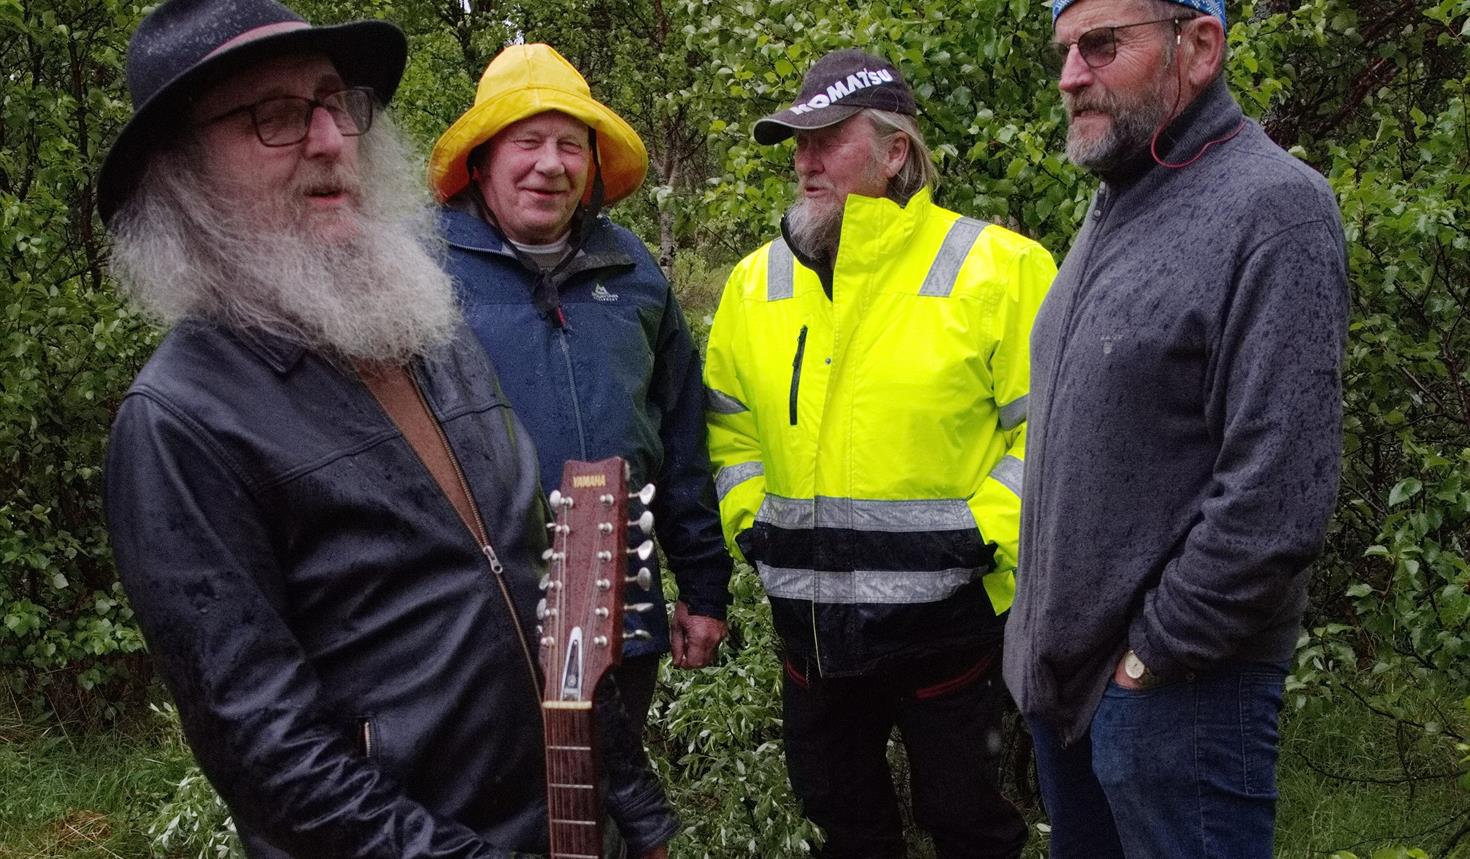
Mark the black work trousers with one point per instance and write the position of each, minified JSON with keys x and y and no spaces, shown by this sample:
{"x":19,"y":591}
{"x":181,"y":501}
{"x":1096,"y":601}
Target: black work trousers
{"x":947,"y":711}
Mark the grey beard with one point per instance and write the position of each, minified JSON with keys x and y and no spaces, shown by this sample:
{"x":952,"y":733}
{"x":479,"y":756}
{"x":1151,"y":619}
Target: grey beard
{"x":184,"y":250}
{"x":1134,"y":122}
{"x":815,"y":229}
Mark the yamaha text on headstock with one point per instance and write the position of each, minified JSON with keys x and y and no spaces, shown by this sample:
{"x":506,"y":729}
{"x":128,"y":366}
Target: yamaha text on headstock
{"x":582,"y":637}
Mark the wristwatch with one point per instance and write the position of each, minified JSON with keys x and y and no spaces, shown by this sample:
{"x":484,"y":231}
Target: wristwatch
{"x":1137,"y":671}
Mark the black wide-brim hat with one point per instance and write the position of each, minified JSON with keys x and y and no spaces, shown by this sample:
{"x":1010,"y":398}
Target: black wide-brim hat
{"x":184,"y":46}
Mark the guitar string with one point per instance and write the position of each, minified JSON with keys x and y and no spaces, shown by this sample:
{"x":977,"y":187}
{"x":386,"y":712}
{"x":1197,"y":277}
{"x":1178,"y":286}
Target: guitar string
{"x":562,"y":730}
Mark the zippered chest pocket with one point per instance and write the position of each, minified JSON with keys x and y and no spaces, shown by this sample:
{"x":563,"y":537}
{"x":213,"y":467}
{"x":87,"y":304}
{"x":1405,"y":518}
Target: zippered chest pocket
{"x":796,"y":371}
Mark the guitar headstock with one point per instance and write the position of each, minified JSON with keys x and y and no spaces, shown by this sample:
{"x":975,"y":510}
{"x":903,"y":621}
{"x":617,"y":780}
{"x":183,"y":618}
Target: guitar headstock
{"x":582,"y":613}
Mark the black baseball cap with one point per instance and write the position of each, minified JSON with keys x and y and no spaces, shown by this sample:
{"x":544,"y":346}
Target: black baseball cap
{"x":838,"y":86}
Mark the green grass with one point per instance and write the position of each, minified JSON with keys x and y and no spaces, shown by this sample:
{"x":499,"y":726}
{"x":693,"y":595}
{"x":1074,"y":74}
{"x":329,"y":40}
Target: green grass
{"x":1349,"y":781}
{"x":84,"y":796}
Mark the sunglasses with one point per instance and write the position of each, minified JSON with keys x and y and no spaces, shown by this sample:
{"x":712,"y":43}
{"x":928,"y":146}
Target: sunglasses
{"x":1097,"y":47}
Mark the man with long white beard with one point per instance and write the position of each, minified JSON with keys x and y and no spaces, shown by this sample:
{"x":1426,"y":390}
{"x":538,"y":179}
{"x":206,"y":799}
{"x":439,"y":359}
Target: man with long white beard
{"x":867,"y":378}
{"x":325,"y":515}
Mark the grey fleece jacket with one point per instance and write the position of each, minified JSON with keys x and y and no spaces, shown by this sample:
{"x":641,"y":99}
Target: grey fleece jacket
{"x":1185,"y":419}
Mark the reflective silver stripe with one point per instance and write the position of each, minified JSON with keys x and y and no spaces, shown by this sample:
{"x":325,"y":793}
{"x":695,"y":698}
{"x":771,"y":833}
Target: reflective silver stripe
{"x":1008,"y":473}
{"x":864,"y":586}
{"x":938,"y":514}
{"x":780,"y":282}
{"x":732,"y":476}
{"x":786,"y":512}
{"x":722,"y":403}
{"x":1013,"y":414}
{"x":946,"y":267}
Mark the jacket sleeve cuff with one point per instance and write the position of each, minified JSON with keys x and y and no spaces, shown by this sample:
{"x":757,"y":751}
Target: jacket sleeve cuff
{"x":706,"y":588}
{"x":1157,"y":659}
{"x":644,"y":821}
{"x":705,"y":607}
{"x":651,"y":832}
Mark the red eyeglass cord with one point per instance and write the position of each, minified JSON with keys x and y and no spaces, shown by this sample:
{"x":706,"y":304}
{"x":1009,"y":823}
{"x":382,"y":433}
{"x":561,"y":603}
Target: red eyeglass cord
{"x":1153,"y":143}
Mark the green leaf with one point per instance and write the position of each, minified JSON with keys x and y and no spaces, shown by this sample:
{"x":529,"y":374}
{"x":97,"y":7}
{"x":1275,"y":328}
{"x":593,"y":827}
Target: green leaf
{"x":1404,"y":490}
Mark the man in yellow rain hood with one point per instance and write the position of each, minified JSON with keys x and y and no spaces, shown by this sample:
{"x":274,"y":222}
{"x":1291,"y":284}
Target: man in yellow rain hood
{"x":583,"y":327}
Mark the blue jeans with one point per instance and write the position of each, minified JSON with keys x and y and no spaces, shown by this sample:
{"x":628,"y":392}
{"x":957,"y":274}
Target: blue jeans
{"x":1184,"y":769}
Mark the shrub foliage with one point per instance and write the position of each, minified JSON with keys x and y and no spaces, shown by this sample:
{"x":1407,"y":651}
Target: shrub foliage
{"x":1370,"y":92}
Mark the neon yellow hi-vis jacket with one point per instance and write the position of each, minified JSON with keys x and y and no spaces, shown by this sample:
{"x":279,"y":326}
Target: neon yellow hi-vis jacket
{"x":868,"y":447}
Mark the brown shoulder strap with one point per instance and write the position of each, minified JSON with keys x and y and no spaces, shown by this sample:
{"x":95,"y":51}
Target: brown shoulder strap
{"x":399,"y":396}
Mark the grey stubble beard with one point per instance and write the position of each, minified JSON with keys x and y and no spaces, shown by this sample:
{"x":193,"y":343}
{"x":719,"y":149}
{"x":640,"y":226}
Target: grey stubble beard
{"x":1134,"y":121}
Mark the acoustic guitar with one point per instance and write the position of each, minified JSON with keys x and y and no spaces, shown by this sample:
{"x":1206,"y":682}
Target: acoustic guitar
{"x":581,"y":629}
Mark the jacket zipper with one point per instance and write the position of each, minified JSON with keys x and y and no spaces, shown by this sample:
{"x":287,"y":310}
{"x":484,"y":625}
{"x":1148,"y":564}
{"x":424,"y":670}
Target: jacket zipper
{"x":566,"y":353}
{"x":481,"y":535}
{"x":796,"y":371}
{"x":367,"y":738}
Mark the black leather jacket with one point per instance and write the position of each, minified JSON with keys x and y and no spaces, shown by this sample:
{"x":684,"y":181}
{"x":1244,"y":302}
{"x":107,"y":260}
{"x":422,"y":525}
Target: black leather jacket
{"x":353,"y":677}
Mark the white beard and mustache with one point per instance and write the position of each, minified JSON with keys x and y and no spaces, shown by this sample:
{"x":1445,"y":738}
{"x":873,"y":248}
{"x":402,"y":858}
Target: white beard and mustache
{"x":185,"y":248}
{"x":815,"y":228}
{"x":815,"y":225}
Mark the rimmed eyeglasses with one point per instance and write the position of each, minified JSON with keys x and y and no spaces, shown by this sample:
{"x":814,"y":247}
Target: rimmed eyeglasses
{"x":1097,"y":47}
{"x":285,"y":120}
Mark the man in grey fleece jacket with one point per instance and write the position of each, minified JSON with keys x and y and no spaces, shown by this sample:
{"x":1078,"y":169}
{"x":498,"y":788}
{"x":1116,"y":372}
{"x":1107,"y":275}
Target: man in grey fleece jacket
{"x":1182,"y":462}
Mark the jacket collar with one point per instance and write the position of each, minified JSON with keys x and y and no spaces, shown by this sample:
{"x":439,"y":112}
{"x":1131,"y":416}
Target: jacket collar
{"x":279,"y":353}
{"x":463,"y":228}
{"x":872,"y":223}
{"x":1212,"y":115}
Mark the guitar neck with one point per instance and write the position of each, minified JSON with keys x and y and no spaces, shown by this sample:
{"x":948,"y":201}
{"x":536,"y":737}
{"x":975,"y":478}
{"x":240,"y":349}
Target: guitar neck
{"x":581,"y":633}
{"x":573,"y":792}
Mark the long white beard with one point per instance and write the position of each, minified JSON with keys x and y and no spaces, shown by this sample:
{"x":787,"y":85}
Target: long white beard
{"x":184,"y":249}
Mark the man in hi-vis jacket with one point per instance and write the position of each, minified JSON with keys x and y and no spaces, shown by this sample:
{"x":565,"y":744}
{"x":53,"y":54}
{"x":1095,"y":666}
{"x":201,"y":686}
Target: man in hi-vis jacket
{"x":867,"y":376}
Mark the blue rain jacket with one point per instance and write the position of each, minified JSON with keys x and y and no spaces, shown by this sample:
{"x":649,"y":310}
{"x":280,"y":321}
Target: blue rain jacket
{"x":614,"y":373}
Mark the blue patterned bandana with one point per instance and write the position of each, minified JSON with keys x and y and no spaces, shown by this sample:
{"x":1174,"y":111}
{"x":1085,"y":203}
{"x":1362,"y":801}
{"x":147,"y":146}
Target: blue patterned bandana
{"x":1209,"y":7}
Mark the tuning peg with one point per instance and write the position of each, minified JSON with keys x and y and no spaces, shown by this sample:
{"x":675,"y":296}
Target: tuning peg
{"x":554,"y":498}
{"x":604,"y":585}
{"x":644,"y":495}
{"x":552,"y":555}
{"x":644,"y":579}
{"x":643,"y":523}
{"x":638,"y":607}
{"x":548,"y":641}
{"x":604,"y":527}
{"x":557,"y":529}
{"x":539,"y":629}
{"x":604,"y":555}
{"x":607,"y":500}
{"x":637,"y":635}
{"x":644,"y":551}
{"x":542,"y":612}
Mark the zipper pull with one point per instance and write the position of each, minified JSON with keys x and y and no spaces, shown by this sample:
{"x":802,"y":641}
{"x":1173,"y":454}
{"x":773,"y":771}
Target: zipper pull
{"x":495,"y":566}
